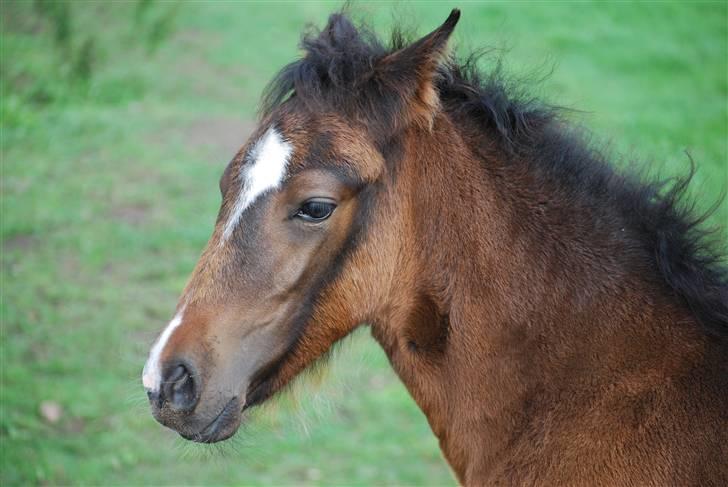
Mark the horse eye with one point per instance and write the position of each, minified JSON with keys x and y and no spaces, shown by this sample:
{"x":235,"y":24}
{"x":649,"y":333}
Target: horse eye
{"x":316,"y":210}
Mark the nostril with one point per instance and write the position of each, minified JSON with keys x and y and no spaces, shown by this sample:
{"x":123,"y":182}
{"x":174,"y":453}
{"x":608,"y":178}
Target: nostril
{"x":178,"y":373}
{"x":179,"y":388}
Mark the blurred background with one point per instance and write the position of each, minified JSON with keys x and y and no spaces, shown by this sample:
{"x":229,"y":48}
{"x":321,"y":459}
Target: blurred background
{"x":117,"y":121}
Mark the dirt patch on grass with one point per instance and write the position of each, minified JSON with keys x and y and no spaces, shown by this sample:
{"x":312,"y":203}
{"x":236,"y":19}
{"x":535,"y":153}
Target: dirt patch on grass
{"x":22,"y":242}
{"x":132,"y":214}
{"x":218,"y":138}
{"x":222,"y":137}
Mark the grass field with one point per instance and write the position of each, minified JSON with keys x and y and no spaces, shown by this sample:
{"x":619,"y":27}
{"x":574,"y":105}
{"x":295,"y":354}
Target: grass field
{"x":113,"y":139}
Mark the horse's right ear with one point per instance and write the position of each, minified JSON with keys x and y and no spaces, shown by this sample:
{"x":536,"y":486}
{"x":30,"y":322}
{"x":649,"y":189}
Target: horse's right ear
{"x":411,"y":71}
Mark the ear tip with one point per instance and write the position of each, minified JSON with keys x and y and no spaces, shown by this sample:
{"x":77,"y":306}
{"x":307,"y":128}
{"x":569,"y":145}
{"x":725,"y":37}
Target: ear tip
{"x":452,"y":19}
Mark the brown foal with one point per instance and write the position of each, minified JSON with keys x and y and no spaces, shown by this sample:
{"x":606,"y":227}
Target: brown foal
{"x":557,"y":322}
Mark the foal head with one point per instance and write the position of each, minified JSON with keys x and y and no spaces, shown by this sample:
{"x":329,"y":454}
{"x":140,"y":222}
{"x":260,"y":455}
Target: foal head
{"x":309,"y":238}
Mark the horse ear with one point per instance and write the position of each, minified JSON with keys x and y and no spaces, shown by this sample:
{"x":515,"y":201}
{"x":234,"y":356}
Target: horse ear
{"x":412,"y":70}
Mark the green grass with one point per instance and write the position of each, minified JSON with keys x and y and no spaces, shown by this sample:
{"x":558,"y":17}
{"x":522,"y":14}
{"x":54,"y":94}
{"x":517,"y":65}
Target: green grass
{"x":109,"y":192}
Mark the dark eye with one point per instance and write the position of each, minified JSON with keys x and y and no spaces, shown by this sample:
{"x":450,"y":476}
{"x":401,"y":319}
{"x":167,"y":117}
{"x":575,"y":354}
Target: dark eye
{"x":316,"y":210}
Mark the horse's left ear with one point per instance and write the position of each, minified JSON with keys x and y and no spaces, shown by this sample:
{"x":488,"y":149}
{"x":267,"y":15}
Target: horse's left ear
{"x":411,"y":71}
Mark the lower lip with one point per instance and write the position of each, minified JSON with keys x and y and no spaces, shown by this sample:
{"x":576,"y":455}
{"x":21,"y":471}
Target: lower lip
{"x":221,"y":428}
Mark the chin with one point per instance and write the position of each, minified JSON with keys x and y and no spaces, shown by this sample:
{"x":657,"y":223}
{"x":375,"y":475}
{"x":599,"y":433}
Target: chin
{"x":222,"y":427}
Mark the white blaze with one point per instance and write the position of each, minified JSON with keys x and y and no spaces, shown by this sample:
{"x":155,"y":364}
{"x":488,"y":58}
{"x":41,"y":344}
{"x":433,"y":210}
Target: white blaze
{"x":264,"y":171}
{"x":152,"y":374}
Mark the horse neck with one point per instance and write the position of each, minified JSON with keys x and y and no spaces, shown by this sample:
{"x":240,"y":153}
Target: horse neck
{"x":497,"y":309}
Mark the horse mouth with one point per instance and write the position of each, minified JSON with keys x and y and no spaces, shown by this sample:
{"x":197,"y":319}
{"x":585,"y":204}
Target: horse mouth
{"x":225,"y":425}
{"x":228,"y":420}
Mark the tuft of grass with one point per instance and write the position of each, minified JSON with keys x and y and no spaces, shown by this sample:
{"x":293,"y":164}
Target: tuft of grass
{"x":108,"y":194}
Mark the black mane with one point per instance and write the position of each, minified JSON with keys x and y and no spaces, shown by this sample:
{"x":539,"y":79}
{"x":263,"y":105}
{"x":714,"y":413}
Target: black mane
{"x":335,"y":72}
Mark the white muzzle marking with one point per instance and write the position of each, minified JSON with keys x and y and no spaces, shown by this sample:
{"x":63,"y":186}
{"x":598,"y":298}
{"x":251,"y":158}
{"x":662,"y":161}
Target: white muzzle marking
{"x":152,"y":374}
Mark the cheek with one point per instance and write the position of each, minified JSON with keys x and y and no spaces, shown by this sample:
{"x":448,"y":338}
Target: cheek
{"x":301,"y":255}
{"x":290,"y":255}
{"x":290,"y":270}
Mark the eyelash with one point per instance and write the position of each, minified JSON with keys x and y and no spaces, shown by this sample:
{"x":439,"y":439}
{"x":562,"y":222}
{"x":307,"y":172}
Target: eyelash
{"x":315,"y":211}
